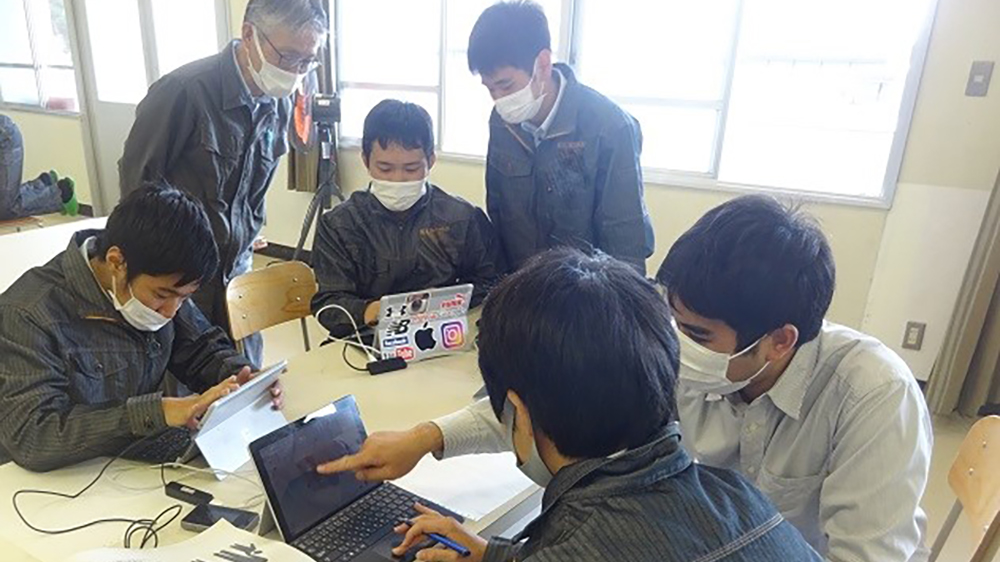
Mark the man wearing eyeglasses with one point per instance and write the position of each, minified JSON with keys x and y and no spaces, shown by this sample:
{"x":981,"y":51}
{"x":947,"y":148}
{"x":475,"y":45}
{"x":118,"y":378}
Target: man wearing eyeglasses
{"x":216,"y":129}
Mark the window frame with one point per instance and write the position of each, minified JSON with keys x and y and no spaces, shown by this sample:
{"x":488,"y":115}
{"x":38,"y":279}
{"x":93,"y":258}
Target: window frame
{"x":37,"y":68}
{"x":569,"y":50}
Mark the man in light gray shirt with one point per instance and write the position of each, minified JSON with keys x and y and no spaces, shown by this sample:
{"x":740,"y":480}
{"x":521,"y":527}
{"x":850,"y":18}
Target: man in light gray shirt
{"x":827,"y":422}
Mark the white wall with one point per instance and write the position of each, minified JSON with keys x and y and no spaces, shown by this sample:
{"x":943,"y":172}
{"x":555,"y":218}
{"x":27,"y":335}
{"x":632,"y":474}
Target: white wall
{"x":949,"y":170}
{"x":925,"y":249}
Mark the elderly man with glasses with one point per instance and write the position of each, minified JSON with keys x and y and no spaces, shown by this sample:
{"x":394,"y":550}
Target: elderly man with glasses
{"x":217,"y":127}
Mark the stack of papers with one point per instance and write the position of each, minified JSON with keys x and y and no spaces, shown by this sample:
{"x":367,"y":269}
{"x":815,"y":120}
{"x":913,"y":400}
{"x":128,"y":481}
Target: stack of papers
{"x":472,"y":486}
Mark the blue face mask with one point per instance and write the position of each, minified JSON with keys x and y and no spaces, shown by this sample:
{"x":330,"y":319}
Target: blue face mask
{"x":534,"y":467}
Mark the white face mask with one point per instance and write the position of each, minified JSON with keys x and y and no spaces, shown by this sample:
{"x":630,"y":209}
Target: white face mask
{"x":520,"y":106}
{"x":273,"y":81}
{"x":140,"y":316}
{"x":534,"y":468}
{"x":398,"y":196}
{"x":705,"y":370}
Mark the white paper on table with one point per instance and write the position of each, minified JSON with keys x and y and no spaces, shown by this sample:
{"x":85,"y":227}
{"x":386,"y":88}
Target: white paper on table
{"x":472,"y":485}
{"x":221,"y":543}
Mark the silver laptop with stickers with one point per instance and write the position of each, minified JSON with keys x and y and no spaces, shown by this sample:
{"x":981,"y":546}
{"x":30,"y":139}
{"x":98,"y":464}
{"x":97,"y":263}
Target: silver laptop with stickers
{"x":424,"y":324}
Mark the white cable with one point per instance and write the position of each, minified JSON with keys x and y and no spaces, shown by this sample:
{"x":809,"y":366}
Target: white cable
{"x":251,"y":503}
{"x":369,"y":351}
{"x":193,"y":470}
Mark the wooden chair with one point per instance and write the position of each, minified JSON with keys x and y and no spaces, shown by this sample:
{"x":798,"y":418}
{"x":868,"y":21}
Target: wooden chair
{"x":268,"y":297}
{"x":975,"y":479}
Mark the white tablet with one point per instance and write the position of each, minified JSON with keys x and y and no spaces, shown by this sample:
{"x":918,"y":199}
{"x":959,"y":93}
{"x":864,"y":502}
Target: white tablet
{"x":225,"y":407}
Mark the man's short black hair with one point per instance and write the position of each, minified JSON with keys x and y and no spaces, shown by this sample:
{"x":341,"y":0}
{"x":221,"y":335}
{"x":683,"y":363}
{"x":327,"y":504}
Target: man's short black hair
{"x":403,"y":123}
{"x":587,"y":344}
{"x":162,"y":231}
{"x":756,"y":264}
{"x":509,"y":34}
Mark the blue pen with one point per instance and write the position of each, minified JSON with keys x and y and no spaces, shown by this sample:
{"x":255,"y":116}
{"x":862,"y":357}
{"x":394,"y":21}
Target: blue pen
{"x":444,"y":541}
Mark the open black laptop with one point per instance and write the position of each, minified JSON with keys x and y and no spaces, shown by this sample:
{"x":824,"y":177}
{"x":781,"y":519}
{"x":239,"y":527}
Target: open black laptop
{"x":336,"y":517}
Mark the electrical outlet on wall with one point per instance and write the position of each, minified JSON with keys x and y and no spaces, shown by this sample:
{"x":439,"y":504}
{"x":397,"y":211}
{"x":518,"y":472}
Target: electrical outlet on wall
{"x":913,"y":337}
{"x":979,"y":78}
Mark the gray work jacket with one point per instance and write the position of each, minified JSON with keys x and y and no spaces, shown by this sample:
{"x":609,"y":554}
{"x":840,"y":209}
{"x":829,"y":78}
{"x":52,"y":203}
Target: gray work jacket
{"x":581,"y":185}
{"x":200,"y":128}
{"x":76,"y":380}
{"x":653,"y":504}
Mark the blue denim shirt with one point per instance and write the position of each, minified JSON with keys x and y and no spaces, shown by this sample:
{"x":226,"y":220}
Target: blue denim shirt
{"x":653,"y":504}
{"x":580,"y":186}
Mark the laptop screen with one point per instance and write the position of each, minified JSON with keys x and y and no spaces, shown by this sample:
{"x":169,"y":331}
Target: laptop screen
{"x":287,"y":460}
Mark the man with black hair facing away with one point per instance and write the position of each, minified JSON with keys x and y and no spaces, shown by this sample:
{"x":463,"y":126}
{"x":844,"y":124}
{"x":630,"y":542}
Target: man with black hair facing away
{"x":562,"y":168}
{"x":828,"y":422}
{"x":581,"y":366}
{"x":85,"y":340}
{"x":401,"y":234}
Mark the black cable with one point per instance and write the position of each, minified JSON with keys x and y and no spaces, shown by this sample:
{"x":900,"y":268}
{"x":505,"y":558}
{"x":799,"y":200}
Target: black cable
{"x":150,"y":527}
{"x":148,"y":524}
{"x":349,"y":364}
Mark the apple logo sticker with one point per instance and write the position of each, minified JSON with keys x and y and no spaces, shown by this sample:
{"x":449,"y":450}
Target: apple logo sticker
{"x":424,"y":338}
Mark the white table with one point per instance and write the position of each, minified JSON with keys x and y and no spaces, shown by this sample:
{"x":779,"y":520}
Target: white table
{"x":21,"y":251}
{"x":393,"y":401}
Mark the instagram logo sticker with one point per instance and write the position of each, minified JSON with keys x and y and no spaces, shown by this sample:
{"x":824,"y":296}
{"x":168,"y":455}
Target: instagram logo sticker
{"x":453,"y":335}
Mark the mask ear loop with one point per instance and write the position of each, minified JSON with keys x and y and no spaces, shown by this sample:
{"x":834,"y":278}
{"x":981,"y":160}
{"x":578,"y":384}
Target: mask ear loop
{"x":748,"y":348}
{"x":114,"y":291}
{"x":746,"y":351}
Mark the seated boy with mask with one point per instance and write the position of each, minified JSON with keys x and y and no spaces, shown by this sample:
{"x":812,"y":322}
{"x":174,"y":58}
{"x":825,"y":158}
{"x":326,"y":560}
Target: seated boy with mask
{"x":86,"y":339}
{"x":402,"y":234}
{"x":581,"y":366}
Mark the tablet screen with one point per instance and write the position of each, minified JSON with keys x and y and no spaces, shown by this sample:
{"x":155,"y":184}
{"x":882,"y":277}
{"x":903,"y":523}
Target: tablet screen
{"x":287,"y":460}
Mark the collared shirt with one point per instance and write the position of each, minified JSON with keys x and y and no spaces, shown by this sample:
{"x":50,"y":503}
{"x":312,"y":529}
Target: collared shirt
{"x":363,"y":252}
{"x":841,"y":444}
{"x":540,"y":132}
{"x":201,"y":129}
{"x":76,"y":380}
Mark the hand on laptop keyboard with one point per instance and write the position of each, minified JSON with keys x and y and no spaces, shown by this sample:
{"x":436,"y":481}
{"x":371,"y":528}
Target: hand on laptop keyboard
{"x":430,"y":521}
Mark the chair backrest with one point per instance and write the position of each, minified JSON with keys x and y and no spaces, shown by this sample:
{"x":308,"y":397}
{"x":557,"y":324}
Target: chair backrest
{"x":975,"y":479}
{"x":267,"y":297}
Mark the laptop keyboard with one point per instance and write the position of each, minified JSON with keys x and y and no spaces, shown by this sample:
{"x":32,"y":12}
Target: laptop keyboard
{"x":355,"y":529}
{"x":165,"y":447}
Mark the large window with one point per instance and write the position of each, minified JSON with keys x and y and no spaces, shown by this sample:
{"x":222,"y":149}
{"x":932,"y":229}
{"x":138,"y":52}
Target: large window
{"x":798,"y":95}
{"x":36,"y":66}
{"x":415,"y":50}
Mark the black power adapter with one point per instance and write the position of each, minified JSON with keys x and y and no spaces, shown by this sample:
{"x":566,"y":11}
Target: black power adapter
{"x":187,"y":494}
{"x":386,"y":366}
